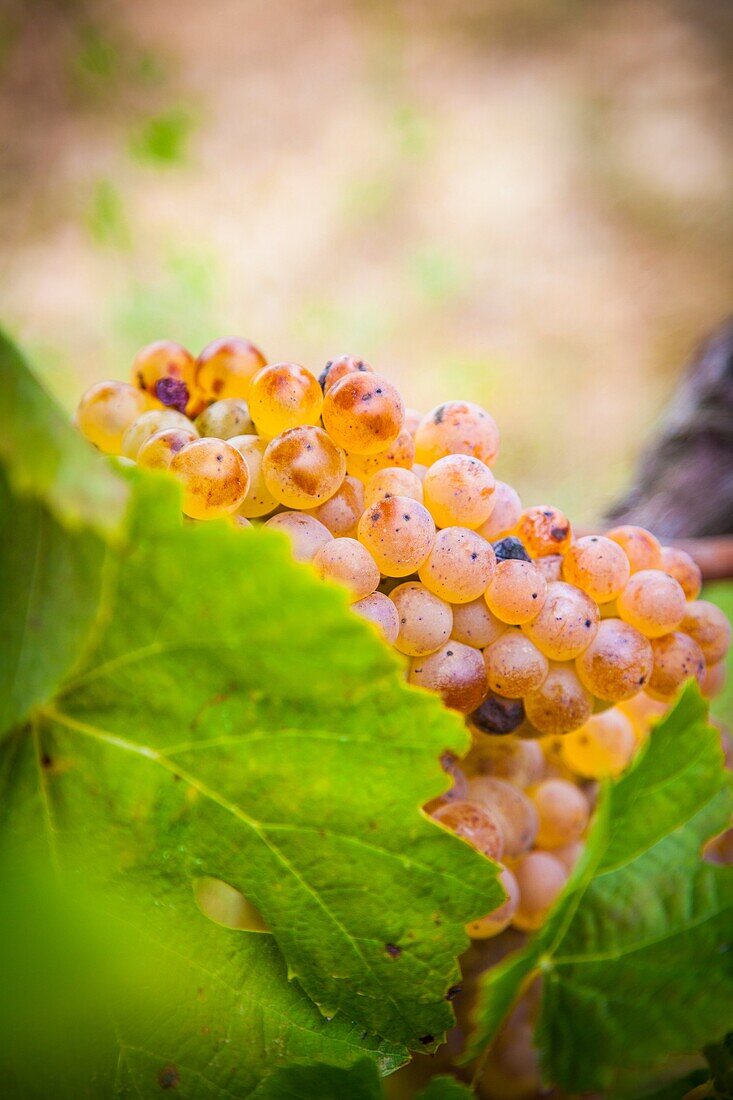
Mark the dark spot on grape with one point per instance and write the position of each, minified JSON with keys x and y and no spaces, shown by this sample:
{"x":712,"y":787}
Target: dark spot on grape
{"x":534,"y":595}
{"x":439,"y":414}
{"x":169,"y":1077}
{"x":393,"y":950}
{"x":449,"y":653}
{"x":379,"y":391}
{"x":498,"y":715}
{"x":172,"y":392}
{"x":510,"y":548}
{"x":587,"y":624}
{"x":406,"y":516}
{"x":474,"y":556}
{"x":367,"y":396}
{"x":218,"y":386}
{"x":323,"y":376}
{"x":426,"y":1039}
{"x":453,"y":992}
{"x":559,"y":533}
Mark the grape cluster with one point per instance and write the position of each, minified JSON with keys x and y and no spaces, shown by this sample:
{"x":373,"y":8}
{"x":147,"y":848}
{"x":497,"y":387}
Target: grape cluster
{"x":561,"y":652}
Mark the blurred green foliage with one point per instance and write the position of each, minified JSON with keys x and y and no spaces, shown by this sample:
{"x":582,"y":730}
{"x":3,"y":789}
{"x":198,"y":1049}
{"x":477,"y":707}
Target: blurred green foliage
{"x":163,"y":139}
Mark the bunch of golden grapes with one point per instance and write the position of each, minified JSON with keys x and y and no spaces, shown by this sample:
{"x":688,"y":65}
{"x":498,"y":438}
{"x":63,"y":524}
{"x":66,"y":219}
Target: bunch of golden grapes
{"x":561,"y":652}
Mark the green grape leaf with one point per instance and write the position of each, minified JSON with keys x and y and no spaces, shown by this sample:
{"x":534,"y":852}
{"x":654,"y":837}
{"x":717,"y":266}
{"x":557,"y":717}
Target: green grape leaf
{"x":445,"y":1088}
{"x":636,"y":958}
{"x":308,"y":1082}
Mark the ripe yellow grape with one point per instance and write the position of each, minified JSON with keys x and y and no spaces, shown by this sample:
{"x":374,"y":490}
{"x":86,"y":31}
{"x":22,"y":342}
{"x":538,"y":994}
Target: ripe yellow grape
{"x":457,"y":427}
{"x":514,"y":666}
{"x":541,"y":878}
{"x":425,"y":620}
{"x":560,"y":704}
{"x":496,"y":715}
{"x":708,"y":625}
{"x":456,"y":672}
{"x":474,"y":823}
{"x":226,"y":418}
{"x":515,"y":759}
{"x":603,"y":747}
{"x":150,"y":422}
{"x":307,"y":535}
{"x":501,"y":917}
{"x":680,"y":565}
{"x":459,"y":491}
{"x":167,"y":371}
{"x":392,"y":482}
{"x":107,"y":410}
{"x":567,"y":622}
{"x":399,"y":453}
{"x":505,"y":513}
{"x":544,"y":530}
{"x":341,"y":512}
{"x":259,"y":501}
{"x":562,"y":812}
{"x":677,"y":658}
{"x":363,"y":413}
{"x":399,"y":533}
{"x":473,"y":624}
{"x":640,"y":546}
{"x":226,"y":367}
{"x":283,"y":396}
{"x":302,"y":467}
{"x":597,"y":565}
{"x":336,"y":369}
{"x":653,"y":602}
{"x":459,"y":565}
{"x":516,"y":592}
{"x":379,"y":609}
{"x":714,"y":680}
{"x":515,"y":811}
{"x":618,"y":662}
{"x":347,"y":562}
{"x":214,"y":477}
{"x":156,"y":453}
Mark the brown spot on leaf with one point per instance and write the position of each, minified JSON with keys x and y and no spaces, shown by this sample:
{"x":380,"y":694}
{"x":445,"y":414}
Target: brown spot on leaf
{"x":169,"y":1077}
{"x":393,"y":950}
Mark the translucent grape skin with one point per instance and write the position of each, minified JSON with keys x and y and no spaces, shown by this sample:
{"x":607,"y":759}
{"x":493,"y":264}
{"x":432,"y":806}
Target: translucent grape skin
{"x":150,"y":422}
{"x":346,"y":562}
{"x":226,"y":418}
{"x":156,"y":453}
{"x":400,"y":453}
{"x":425,"y":620}
{"x":456,"y":427}
{"x":516,"y":592}
{"x":562,"y":812}
{"x":714,"y":680}
{"x":459,"y":565}
{"x":566,"y":624}
{"x":514,"y":666}
{"x":515,"y":811}
{"x":504,"y":515}
{"x":473,"y":624}
{"x":550,"y":566}
{"x":302,"y":467}
{"x":677,"y":658}
{"x":709,"y":626}
{"x":685,"y":570}
{"x":640,"y":546}
{"x":544,"y":530}
{"x":653,"y":602}
{"x":597,"y":565}
{"x":214,"y":477}
{"x":514,"y":759}
{"x":474,"y":823}
{"x":569,"y":854}
{"x":259,"y":501}
{"x":379,"y":609}
{"x":458,"y":491}
{"x":618,"y":662}
{"x":561,"y":703}
{"x":541,"y":878}
{"x":336,"y":369}
{"x":226,"y":367}
{"x":393,"y":481}
{"x":363,"y":413}
{"x":603,"y":747}
{"x":167,"y":371}
{"x":283,"y":396}
{"x":307,"y":535}
{"x":456,"y":672}
{"x":501,"y":917}
{"x":341,"y":512}
{"x":107,"y":410}
{"x":399,"y":533}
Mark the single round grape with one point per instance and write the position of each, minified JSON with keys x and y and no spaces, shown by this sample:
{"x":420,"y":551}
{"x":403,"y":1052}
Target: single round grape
{"x":541,"y":879}
{"x":214,"y":477}
{"x":363,"y":413}
{"x":459,"y":565}
{"x":283,"y":396}
{"x":148,"y":423}
{"x":653,"y":602}
{"x":347,"y":562}
{"x":167,"y":371}
{"x":458,"y":491}
{"x":226,"y":418}
{"x":501,"y":917}
{"x":544,"y":530}
{"x":473,"y":624}
{"x":514,"y":666}
{"x":474,"y":823}
{"x":677,"y":658}
{"x":336,"y":369}
{"x":425,"y":620}
{"x":569,"y":854}
{"x":393,"y":482}
{"x":566,"y":624}
{"x":380,"y":610}
{"x":226,"y":367}
{"x":640,"y":546}
{"x":307,"y":535}
{"x":714,"y":679}
{"x":399,"y":532}
{"x":107,"y":410}
{"x":455,"y":672}
{"x":156,"y":453}
{"x":516,"y":592}
{"x":341,"y":512}
{"x":515,"y":759}
{"x":708,"y":625}
{"x":562,"y":811}
{"x":497,"y":715}
{"x":603,"y":747}
{"x":303,"y":467}
{"x":618,"y":662}
{"x":680,"y":565}
{"x":597,"y":565}
{"x":259,"y":501}
{"x":504,"y":515}
{"x":560,"y":704}
{"x":514,"y":809}
{"x":412,"y":420}
{"x":457,"y":428}
{"x":399,"y":453}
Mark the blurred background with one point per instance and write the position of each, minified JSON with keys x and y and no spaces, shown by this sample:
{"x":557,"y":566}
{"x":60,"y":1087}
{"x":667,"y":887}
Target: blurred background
{"x":527,"y":203}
